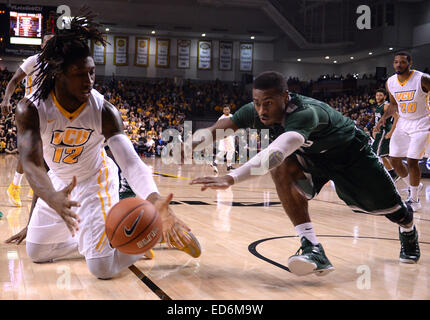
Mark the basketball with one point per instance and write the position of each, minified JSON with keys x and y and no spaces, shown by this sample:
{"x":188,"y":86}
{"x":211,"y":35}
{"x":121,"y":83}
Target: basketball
{"x":133,"y":226}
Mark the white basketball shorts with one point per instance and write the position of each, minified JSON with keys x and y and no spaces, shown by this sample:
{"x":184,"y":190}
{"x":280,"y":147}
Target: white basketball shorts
{"x":410,"y":138}
{"x":96,"y":196}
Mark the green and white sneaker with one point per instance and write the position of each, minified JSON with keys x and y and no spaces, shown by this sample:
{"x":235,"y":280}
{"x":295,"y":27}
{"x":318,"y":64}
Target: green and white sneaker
{"x":125,"y":191}
{"x":312,"y":259}
{"x":410,"y":248}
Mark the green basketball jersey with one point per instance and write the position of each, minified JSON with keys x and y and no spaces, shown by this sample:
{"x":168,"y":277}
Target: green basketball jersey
{"x":322,"y":127}
{"x":379,"y":112}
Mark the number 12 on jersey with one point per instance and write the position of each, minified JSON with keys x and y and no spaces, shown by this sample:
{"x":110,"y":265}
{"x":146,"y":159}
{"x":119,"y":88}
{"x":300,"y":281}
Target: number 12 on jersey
{"x":67,"y":155}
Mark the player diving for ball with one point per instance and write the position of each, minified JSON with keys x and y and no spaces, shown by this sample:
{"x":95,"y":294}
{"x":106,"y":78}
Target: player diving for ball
{"x":65,"y":123}
{"x":314,"y":144}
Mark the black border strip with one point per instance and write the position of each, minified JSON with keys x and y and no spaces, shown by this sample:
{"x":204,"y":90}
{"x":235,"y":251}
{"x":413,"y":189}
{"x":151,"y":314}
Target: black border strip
{"x":252,"y":248}
{"x":148,"y":282}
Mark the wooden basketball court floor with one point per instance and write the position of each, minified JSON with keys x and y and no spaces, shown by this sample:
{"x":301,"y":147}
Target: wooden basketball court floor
{"x":246,"y":240}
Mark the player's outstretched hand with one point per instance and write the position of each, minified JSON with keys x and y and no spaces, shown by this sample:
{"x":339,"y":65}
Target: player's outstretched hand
{"x":61,"y":203}
{"x":18,"y":238}
{"x":172,"y":225}
{"x":220,"y":183}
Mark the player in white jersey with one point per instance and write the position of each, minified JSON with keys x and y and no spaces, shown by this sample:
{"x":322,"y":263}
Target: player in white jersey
{"x":408,"y":90}
{"x":64,"y":123}
{"x":225,"y":146}
{"x":25,"y":71}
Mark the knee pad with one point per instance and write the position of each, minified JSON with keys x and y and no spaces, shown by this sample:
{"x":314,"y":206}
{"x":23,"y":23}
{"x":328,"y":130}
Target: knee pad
{"x":403,"y":216}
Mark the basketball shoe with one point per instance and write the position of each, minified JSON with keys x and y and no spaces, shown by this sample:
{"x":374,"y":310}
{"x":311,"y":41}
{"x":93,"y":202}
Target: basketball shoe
{"x":149,"y":254}
{"x":13,"y":193}
{"x":125,"y":191}
{"x":312,"y":259}
{"x":193,"y":248}
{"x":410,"y":248}
{"x":415,"y":204}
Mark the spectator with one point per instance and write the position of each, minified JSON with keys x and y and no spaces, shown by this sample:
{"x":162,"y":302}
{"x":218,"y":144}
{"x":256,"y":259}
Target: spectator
{"x":2,"y":144}
{"x":11,"y":147}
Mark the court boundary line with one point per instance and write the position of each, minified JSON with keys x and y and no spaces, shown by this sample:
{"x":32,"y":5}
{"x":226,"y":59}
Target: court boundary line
{"x":149,"y":283}
{"x":252,"y":248}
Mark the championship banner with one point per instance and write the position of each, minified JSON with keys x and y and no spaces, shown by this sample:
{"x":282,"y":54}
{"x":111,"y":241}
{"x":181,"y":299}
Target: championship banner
{"x":120,"y":51}
{"x":183,"y":54}
{"x":246,"y":56}
{"x":99,"y":51}
{"x":225,"y":56}
{"x":204,"y":55}
{"x":162,"y":53}
{"x":141,"y":52}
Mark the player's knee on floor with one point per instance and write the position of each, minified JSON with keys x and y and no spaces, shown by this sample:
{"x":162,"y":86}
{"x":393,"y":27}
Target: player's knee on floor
{"x":101,"y":267}
{"x":38,"y":253}
{"x":403,"y":216}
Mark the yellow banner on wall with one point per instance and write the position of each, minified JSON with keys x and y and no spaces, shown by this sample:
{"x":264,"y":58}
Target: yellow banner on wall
{"x":162,"y":53}
{"x":121,"y":51}
{"x":99,"y":51}
{"x":141,"y":53}
{"x":204,"y":55}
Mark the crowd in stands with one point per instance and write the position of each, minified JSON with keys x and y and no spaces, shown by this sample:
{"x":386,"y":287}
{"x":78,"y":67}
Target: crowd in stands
{"x":148,"y":107}
{"x":359,"y":108}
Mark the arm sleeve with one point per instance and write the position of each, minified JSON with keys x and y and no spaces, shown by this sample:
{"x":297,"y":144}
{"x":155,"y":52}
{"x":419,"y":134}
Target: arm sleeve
{"x":269,"y":158}
{"x":137,"y":173}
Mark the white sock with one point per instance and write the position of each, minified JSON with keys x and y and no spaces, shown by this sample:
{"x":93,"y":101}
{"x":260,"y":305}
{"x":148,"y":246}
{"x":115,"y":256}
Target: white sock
{"x":306,"y":230}
{"x":406,"y":180}
{"x":414,"y":192}
{"x":17,"y":178}
{"x":406,"y":229}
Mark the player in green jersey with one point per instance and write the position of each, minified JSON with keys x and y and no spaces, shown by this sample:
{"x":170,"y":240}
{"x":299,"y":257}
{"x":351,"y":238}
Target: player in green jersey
{"x":314,"y":144}
{"x":381,"y":144}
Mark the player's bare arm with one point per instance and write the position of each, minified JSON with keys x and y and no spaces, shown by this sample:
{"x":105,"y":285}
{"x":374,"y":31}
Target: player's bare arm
{"x":425,"y":82}
{"x":20,"y":236}
{"x":393,"y":127}
{"x":389,"y":112}
{"x":139,"y":176}
{"x":31,"y":154}
{"x":6,"y":108}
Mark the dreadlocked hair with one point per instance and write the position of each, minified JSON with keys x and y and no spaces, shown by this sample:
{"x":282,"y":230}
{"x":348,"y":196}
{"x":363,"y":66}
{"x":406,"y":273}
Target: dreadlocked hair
{"x":67,"y":46}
